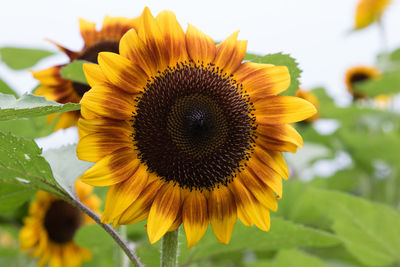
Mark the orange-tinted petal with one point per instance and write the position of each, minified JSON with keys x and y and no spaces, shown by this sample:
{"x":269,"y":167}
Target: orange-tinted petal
{"x":230,"y":53}
{"x":104,"y":101}
{"x":195,"y":217}
{"x":174,"y":37}
{"x":222,"y":213}
{"x":250,"y":211}
{"x":274,"y":160}
{"x":279,"y":137}
{"x":122,"y":72}
{"x":261,"y":80}
{"x":199,"y":45}
{"x":112,"y":169}
{"x":94,"y":75}
{"x":120,"y":196}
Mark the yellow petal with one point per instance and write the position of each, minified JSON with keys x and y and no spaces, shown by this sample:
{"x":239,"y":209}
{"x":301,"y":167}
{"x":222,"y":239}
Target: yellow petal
{"x":230,"y":53}
{"x":104,"y":125}
{"x":279,"y":137}
{"x":107,"y":102}
{"x":94,"y":147}
{"x":112,"y":169}
{"x":122,"y":72}
{"x":273,"y":160}
{"x":163,"y":212}
{"x":88,"y":31}
{"x":195,"y":217}
{"x":140,"y":208}
{"x":268,"y":176}
{"x":261,"y":80}
{"x":250,"y":211}
{"x":94,"y":75}
{"x":222,"y":213}
{"x":282,"y":109}
{"x":201,"y":47}
{"x":173,"y":36}
{"x":259,"y":189}
{"x":120,"y":196}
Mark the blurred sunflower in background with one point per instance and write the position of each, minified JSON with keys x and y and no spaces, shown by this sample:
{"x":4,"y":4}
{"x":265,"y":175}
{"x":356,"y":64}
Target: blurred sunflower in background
{"x":310,"y":97}
{"x":358,"y":74}
{"x":184,"y":132}
{"x":368,"y":12}
{"x":49,"y":230}
{"x":55,"y":88}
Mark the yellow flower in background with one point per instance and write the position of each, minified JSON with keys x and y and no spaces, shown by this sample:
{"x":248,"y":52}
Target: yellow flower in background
{"x":55,"y":88}
{"x":310,"y":97}
{"x":48,"y":231}
{"x":359,"y":74}
{"x":183,"y":131}
{"x":369,"y":11}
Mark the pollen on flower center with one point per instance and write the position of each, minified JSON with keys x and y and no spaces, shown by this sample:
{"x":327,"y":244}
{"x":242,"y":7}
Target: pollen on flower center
{"x":61,"y":221}
{"x":194,"y":126}
{"x":90,"y":54}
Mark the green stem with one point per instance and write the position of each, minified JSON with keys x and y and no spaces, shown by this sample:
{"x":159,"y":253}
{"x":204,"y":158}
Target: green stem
{"x":119,"y":253}
{"x":169,"y":249}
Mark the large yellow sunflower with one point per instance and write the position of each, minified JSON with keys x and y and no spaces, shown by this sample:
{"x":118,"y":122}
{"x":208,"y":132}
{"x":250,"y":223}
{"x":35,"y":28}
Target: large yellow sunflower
{"x":185,"y":132}
{"x":55,"y":88}
{"x":49,"y":230}
{"x":368,"y":12}
{"x":310,"y":97}
{"x":359,"y":74}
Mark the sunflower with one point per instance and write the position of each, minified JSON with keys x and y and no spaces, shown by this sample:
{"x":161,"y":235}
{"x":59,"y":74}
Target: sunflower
{"x":368,"y":12}
{"x":359,"y":74}
{"x":310,"y":97}
{"x":55,"y":88}
{"x":183,"y":131}
{"x":49,"y":230}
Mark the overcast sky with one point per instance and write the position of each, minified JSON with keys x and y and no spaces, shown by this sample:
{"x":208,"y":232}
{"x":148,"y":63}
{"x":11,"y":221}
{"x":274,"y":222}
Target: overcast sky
{"x":315,"y":32}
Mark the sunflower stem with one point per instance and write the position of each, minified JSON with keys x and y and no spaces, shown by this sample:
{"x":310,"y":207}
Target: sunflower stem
{"x":119,"y":240}
{"x":169,"y":249}
{"x":121,"y":259}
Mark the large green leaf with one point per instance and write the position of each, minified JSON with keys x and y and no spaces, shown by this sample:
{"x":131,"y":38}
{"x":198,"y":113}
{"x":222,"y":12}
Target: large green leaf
{"x":21,"y":163}
{"x":293,"y":257}
{"x":74,"y":71}
{"x":370,"y":231}
{"x":30,"y":106}
{"x":13,"y":196}
{"x":280,"y":59}
{"x":28,"y":127}
{"x":60,"y":160}
{"x":5,"y":89}
{"x":22,"y":58}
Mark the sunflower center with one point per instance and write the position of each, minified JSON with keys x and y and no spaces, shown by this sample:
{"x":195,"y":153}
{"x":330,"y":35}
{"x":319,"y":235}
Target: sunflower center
{"x":61,"y":221}
{"x":193,"y":126}
{"x":90,"y":54}
{"x":359,"y":77}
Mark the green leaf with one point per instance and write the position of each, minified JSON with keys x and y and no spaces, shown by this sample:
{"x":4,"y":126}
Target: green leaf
{"x":61,"y":160}
{"x":74,"y":72}
{"x":293,"y":257}
{"x":28,"y":127}
{"x":5,"y":89}
{"x":100,"y":244}
{"x":30,"y":106}
{"x":387,"y":83}
{"x":370,"y":231}
{"x":13,"y":196}
{"x":21,"y":163}
{"x":22,"y":58}
{"x":280,"y":59}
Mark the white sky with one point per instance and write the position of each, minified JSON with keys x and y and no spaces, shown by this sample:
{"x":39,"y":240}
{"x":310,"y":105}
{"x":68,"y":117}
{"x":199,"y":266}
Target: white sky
{"x":316,"y":32}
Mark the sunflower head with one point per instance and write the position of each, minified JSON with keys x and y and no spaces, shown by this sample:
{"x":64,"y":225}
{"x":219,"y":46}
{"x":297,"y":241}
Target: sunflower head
{"x":49,"y":230}
{"x":368,"y":12}
{"x":359,"y":74}
{"x":183,"y":131}
{"x":310,"y":97}
{"x":55,"y":88}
